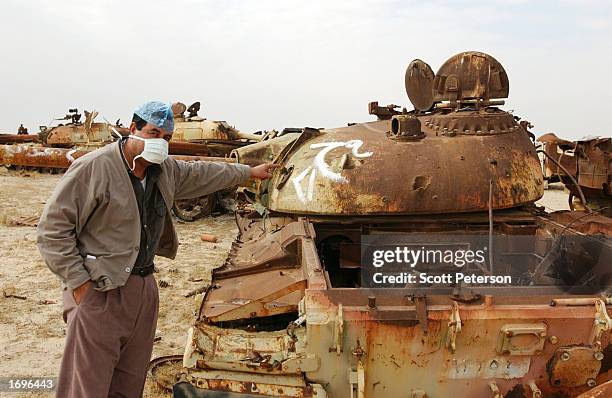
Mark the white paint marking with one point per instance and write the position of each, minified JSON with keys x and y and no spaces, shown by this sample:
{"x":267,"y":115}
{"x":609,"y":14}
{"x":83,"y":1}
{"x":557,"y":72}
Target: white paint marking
{"x":321,"y":164}
{"x":354,"y":145}
{"x":69,"y":155}
{"x":311,"y":183}
{"x":323,"y":167}
{"x":296,"y":184}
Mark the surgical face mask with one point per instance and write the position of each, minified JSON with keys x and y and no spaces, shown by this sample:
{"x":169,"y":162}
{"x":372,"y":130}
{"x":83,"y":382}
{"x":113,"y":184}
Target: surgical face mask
{"x":155,"y":150}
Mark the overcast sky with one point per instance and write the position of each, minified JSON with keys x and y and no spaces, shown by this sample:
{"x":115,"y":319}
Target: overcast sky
{"x":272,"y":64}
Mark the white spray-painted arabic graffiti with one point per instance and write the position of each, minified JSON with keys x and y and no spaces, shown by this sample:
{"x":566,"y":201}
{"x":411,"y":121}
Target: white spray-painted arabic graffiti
{"x":69,"y":155}
{"x":320,"y":164}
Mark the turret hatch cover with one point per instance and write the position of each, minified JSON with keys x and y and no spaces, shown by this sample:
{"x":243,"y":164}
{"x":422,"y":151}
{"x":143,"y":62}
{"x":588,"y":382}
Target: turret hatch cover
{"x":419,"y":82}
{"x":470,"y":75}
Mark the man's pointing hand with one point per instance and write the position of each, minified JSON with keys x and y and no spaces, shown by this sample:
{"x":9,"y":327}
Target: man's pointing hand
{"x":263,"y":171}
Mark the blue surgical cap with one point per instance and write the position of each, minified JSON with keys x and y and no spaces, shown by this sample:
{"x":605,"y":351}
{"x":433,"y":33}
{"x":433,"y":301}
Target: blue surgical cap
{"x":158,"y":114}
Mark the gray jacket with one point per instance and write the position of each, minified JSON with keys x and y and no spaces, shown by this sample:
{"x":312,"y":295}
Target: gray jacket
{"x":90,"y":227}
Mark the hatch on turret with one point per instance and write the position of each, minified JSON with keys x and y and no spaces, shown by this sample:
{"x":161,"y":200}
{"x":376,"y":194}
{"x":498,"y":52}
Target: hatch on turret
{"x":470,"y":77}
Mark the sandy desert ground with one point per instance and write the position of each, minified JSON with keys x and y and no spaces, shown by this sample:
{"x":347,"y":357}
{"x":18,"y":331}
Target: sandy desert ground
{"x":31,"y":328}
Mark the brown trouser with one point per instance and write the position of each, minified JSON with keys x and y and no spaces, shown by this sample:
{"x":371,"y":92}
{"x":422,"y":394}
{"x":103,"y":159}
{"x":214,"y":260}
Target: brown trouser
{"x":109,"y":340}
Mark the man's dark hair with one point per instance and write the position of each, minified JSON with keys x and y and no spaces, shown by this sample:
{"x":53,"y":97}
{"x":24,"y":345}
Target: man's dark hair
{"x":140,"y":122}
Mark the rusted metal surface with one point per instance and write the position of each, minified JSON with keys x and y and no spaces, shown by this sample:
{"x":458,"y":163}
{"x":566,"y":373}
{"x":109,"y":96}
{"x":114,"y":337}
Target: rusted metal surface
{"x":470,"y":75}
{"x":263,"y":294}
{"x":560,"y":150}
{"x":194,"y":139}
{"x":166,"y":371}
{"x":17,"y":138}
{"x":188,"y":148}
{"x":68,"y":136}
{"x":398,"y":349}
{"x":588,"y":162}
{"x":278,"y":276}
{"x":419,"y":82}
{"x":509,"y":338}
{"x":602,"y":391}
{"x":193,"y":209}
{"x":574,"y":366}
{"x":57,"y":147}
{"x":266,"y":150}
{"x":252,"y":384}
{"x":60,"y":158}
{"x":61,"y":144}
{"x":217,"y":137}
{"x":583,"y":222}
{"x":277,"y":352}
{"x":277,"y":250}
{"x":80,"y":133}
{"x":38,"y":156}
{"x":595,"y":165}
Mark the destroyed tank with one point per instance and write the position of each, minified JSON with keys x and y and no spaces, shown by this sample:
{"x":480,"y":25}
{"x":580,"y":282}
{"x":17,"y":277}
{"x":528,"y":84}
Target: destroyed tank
{"x":198,"y":136}
{"x":219,"y":136}
{"x":54,"y":148}
{"x":293,"y":312}
{"x":77,"y":133}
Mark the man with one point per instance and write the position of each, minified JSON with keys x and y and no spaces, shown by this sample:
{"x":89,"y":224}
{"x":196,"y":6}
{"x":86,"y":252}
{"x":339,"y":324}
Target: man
{"x":22,"y":130}
{"x":99,"y":232}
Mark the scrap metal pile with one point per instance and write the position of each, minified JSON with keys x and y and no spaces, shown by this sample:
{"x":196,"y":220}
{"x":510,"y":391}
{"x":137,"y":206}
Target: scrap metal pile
{"x":289,"y":313}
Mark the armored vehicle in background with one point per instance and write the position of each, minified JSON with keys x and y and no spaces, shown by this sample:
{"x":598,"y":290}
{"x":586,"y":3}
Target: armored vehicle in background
{"x":219,"y":137}
{"x":54,"y":148}
{"x":77,"y":133}
{"x":293,"y":312}
{"x":583,"y":166}
{"x":194,"y":135}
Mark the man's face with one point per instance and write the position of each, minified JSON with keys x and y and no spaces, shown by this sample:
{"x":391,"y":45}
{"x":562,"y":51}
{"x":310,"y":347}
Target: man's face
{"x":148,"y":131}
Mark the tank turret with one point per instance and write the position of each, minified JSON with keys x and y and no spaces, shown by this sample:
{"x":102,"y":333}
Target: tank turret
{"x":78,"y":133}
{"x":457,"y":151}
{"x":218,"y":135}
